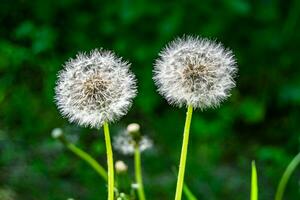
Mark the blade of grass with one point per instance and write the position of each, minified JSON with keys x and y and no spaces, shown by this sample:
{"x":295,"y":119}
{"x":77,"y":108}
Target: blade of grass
{"x":286,"y":176}
{"x":254,"y":187}
{"x":189,"y":195}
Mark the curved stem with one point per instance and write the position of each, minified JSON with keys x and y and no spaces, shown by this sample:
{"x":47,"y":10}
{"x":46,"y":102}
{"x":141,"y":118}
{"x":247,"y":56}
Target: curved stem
{"x":110,"y":162}
{"x":254,"y":187}
{"x":88,"y":159}
{"x":188,"y":193}
{"x":286,"y":176}
{"x":138,"y":173}
{"x":180,"y":179}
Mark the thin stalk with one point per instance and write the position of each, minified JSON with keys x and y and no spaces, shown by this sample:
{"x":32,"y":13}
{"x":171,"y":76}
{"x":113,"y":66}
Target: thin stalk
{"x":286,"y":176}
{"x":110,"y":163}
{"x":188,"y":193}
{"x":88,"y":159}
{"x":180,"y":179}
{"x":254,"y":187}
{"x":84,"y":156}
{"x":138,"y":173}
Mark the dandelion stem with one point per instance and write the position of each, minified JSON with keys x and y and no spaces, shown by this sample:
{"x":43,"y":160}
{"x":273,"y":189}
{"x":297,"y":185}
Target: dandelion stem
{"x":254,"y":187}
{"x":138,"y":173}
{"x":84,"y":156}
{"x":89,"y":159}
{"x":286,"y":176}
{"x":180,"y":179}
{"x":188,"y":193}
{"x":110,"y":162}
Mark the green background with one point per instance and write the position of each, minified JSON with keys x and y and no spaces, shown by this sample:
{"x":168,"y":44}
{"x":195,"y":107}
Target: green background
{"x":260,"y":121}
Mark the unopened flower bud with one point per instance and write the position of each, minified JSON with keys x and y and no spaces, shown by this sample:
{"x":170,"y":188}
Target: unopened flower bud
{"x":121,"y":167}
{"x":57,"y":133}
{"x":134,"y":130}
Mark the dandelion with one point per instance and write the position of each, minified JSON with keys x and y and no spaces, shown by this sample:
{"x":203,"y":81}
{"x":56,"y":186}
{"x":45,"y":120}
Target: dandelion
{"x":131,"y":142}
{"x":195,"y":73}
{"x":125,"y":143}
{"x":95,"y":89}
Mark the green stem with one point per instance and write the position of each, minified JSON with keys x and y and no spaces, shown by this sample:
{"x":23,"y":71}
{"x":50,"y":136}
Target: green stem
{"x":254,"y":187}
{"x":110,"y":162}
{"x":188,"y":193}
{"x":138,"y":173}
{"x":180,"y":179}
{"x":88,"y":159}
{"x":286,"y":176}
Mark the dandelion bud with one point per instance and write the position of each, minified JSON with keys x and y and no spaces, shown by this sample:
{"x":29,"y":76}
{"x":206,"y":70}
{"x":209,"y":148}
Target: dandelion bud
{"x":121,"y":167}
{"x":195,"y":71}
{"x":135,"y":186}
{"x":57,"y":133}
{"x":134,"y":130}
{"x":133,"y":127}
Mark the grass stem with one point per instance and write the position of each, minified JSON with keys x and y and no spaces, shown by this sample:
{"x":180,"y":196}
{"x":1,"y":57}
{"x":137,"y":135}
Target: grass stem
{"x":286,"y":176}
{"x":254,"y":187}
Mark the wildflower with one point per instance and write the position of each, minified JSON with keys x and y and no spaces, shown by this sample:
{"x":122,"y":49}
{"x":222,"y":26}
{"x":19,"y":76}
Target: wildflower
{"x":95,"y":88}
{"x":126,"y":141}
{"x":195,"y":71}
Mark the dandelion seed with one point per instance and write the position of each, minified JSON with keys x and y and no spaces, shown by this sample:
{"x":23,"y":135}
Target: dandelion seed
{"x":195,"y":71}
{"x":95,"y":88}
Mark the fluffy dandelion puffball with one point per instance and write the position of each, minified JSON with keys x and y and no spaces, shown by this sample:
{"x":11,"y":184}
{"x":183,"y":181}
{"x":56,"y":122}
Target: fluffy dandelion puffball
{"x":125,"y":143}
{"x":95,"y":88}
{"x":195,"y":71}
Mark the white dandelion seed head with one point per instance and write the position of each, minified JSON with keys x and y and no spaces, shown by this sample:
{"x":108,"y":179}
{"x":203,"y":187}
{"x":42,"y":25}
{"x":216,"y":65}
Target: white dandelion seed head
{"x":125,"y":143}
{"x":195,"y":71}
{"x":95,"y":88}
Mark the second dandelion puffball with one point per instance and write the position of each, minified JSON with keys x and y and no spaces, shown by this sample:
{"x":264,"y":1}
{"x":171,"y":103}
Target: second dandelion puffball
{"x":126,"y":141}
{"x":195,"y":71}
{"x":95,"y":88}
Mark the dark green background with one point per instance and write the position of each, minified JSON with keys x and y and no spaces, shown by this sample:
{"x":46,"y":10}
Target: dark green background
{"x":259,"y":121}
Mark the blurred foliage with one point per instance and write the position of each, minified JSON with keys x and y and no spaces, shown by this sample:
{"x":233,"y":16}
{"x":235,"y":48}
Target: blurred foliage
{"x":259,"y":122}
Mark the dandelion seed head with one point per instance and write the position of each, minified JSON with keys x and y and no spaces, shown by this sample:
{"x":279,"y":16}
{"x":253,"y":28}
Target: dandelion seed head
{"x":95,"y":88}
{"x":195,"y":71}
{"x":124,"y":143}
